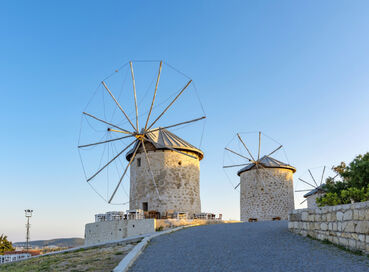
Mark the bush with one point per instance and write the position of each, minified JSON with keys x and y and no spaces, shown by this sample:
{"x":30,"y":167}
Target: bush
{"x":353,"y":186}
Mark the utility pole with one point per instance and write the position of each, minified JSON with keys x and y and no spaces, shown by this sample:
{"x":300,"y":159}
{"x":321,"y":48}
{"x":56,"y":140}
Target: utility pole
{"x":28,"y":214}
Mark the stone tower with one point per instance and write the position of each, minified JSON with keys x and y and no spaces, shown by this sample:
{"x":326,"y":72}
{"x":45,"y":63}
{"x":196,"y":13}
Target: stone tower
{"x":266,"y":191}
{"x":313,"y":195}
{"x":177,"y":176}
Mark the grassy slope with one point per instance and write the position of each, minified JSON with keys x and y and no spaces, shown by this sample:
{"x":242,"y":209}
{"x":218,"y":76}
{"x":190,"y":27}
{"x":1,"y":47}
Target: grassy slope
{"x":93,"y":259}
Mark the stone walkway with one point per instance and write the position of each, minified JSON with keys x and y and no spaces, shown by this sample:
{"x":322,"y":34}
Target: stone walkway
{"x":262,"y":246}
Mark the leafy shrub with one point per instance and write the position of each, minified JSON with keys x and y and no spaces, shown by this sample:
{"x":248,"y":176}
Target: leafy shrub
{"x":353,"y":186}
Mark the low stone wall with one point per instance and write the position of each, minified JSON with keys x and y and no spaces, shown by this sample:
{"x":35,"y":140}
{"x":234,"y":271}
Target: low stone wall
{"x":101,"y":232}
{"x":346,"y":225}
{"x":107,"y":231}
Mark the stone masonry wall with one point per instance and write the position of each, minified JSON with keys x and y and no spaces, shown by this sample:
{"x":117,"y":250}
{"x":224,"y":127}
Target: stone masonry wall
{"x":100,"y":232}
{"x":266,"y":195}
{"x":177,"y":177}
{"x":311,"y":200}
{"x":346,"y":225}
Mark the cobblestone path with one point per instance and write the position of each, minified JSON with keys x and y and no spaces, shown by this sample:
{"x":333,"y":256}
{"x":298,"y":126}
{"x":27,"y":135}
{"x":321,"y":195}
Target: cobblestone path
{"x":262,"y":246}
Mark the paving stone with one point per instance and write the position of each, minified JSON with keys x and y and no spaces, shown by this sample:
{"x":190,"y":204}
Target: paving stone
{"x":261,"y":246}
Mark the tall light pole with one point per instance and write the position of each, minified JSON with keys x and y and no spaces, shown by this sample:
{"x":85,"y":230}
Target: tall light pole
{"x":28,"y":214}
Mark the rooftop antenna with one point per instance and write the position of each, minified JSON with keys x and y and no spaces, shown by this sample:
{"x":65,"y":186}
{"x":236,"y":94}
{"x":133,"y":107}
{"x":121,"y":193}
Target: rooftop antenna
{"x":28,"y":214}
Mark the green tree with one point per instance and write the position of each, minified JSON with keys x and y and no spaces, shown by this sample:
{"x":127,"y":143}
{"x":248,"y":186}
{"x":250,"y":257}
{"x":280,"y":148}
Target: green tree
{"x":5,"y":245}
{"x":353,"y":186}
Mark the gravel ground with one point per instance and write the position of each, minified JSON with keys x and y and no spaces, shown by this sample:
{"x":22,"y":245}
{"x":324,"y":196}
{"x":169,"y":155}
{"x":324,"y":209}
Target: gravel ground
{"x":261,"y":246}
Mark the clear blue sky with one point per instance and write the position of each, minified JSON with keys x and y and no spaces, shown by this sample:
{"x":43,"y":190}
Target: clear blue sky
{"x":297,"y":70}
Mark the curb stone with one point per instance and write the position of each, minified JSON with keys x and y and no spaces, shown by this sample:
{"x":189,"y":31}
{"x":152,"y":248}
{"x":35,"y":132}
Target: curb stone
{"x":131,"y":257}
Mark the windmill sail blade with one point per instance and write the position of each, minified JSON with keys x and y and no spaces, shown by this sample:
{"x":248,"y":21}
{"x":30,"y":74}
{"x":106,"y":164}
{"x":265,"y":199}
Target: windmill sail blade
{"x":298,"y":191}
{"x":94,"y":175}
{"x":313,"y":178}
{"x":124,"y":173}
{"x":110,"y":124}
{"x":171,"y":103}
{"x":121,"y":109}
{"x":303,"y":201}
{"x":149,"y":166}
{"x":236,"y":165}
{"x":307,"y":183}
{"x":104,"y":142}
{"x":134,"y":93}
{"x":259,"y":145}
{"x":153,"y":99}
{"x":234,"y":152}
{"x":239,"y":137}
{"x":173,"y":149}
{"x":321,"y":180}
{"x":258,"y":175}
{"x":237,"y":185}
{"x":182,"y":123}
{"x":274,"y":151}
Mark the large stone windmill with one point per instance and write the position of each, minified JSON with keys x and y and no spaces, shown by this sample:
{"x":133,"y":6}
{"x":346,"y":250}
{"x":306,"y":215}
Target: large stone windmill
{"x":163,"y":168}
{"x":266,"y":185}
{"x":175,"y":166}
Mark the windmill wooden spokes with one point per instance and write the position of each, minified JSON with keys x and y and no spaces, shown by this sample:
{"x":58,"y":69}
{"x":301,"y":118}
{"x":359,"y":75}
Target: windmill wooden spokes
{"x":133,"y":131}
{"x":260,"y":163}
{"x":312,"y":184}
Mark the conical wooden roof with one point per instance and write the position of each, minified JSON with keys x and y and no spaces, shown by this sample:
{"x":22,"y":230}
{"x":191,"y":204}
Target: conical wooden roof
{"x":267,"y":162}
{"x":164,"y":139}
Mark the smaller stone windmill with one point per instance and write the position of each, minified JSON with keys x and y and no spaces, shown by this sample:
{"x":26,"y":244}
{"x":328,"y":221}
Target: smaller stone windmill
{"x":266,"y":185}
{"x":314,"y":190}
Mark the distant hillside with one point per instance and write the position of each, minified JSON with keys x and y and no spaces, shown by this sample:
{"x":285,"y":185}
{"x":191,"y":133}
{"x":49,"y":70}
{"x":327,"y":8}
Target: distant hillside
{"x":62,"y":242}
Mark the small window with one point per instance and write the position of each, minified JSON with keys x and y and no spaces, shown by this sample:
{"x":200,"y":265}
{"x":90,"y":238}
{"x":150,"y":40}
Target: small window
{"x":145,"y":206}
{"x":138,"y":162}
{"x":179,"y":163}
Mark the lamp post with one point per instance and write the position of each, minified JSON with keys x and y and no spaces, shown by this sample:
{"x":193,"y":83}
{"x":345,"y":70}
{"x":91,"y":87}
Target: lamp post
{"x":28,"y":214}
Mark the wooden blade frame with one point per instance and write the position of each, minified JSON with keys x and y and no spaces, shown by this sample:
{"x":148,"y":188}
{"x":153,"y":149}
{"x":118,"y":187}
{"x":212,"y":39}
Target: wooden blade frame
{"x":313,"y":178}
{"x":107,"y":141}
{"x":153,"y":99}
{"x":236,"y":165}
{"x":275,"y":150}
{"x":94,"y":175}
{"x":321,"y":180}
{"x":125,"y":171}
{"x":307,"y":183}
{"x":134,"y":93}
{"x":239,"y":137}
{"x":110,"y":124}
{"x":121,"y":109}
{"x":171,"y":103}
{"x":258,"y":174}
{"x":175,"y":125}
{"x":149,"y":166}
{"x":234,"y":152}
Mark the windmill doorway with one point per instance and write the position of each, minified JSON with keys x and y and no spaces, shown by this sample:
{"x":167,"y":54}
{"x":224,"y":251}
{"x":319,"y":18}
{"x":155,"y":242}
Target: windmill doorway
{"x":145,"y":206}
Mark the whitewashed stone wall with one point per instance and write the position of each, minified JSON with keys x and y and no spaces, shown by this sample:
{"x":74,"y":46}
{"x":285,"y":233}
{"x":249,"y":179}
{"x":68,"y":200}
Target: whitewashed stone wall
{"x":266,"y":195}
{"x":100,"y":232}
{"x":346,"y":225}
{"x":177,"y":177}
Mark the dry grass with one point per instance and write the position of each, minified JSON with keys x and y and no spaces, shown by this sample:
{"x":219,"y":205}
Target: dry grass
{"x":93,"y":259}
